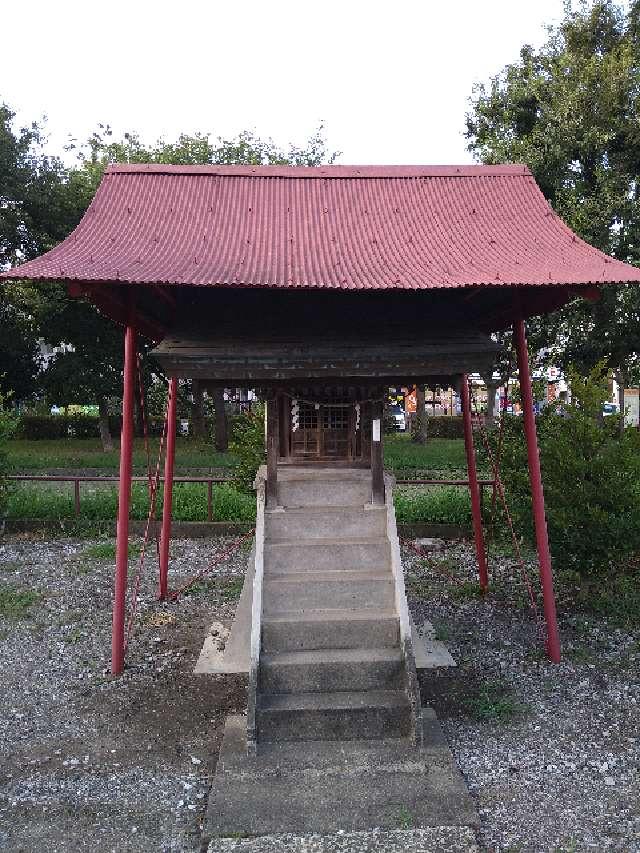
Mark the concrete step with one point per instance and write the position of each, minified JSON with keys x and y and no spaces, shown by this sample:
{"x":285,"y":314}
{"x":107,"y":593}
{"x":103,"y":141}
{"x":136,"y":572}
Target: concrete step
{"x":324,"y":555}
{"x":325,"y":523}
{"x":322,"y":473}
{"x":311,"y":787}
{"x":326,"y":629}
{"x":334,"y":716}
{"x":325,"y":590}
{"x":331,"y":670}
{"x":326,"y":492}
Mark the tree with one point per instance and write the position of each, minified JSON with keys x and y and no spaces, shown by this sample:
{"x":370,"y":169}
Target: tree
{"x":419,"y":432}
{"x":569,"y":111}
{"x":93,"y":157}
{"x":222,"y":424}
{"x":503,"y":366}
{"x":19,"y":351}
{"x":41,"y":201}
{"x":38,"y":207}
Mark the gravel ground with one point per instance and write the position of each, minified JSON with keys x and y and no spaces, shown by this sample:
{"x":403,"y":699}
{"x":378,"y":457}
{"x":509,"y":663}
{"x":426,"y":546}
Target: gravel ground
{"x":95,"y":763}
{"x":550,"y":753}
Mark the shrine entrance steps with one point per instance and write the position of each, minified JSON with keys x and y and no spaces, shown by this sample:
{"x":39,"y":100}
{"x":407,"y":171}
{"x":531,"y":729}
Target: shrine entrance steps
{"x":331,"y":664}
{"x":335,"y":737}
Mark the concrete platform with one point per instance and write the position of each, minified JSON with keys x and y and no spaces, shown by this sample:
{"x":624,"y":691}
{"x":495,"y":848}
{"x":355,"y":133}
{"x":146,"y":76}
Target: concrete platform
{"x":324,"y":787}
{"x":433,"y":839}
{"x":227,"y":651}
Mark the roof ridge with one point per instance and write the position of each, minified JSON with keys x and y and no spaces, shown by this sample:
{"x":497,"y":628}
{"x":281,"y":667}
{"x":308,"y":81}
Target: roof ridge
{"x":328,"y":171}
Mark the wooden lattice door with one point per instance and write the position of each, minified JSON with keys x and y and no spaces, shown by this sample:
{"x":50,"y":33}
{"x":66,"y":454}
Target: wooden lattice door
{"x":323,"y":432}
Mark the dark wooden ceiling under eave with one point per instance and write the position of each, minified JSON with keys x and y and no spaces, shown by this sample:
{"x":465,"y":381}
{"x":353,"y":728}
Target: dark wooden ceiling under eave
{"x":264,"y":339}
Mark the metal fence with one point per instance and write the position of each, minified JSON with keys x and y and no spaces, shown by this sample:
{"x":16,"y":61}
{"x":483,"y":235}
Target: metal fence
{"x":210,"y":481}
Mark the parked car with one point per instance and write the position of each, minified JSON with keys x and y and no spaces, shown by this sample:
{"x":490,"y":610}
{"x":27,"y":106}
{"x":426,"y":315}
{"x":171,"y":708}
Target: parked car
{"x":399,"y":416}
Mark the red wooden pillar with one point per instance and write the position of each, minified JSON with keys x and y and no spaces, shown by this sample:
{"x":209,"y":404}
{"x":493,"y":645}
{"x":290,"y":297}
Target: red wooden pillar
{"x":537,"y":495}
{"x":124,"y":499}
{"x":165,"y":534}
{"x":474,"y":488}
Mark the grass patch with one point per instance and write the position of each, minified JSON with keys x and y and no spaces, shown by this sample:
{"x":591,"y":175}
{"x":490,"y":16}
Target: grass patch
{"x":437,"y":504}
{"x":405,"y":818}
{"x":15,"y":603}
{"x":465,"y":591}
{"x":107,"y":551}
{"x":400,"y":453}
{"x":189,"y":503}
{"x":403,"y":455}
{"x":615,"y":597}
{"x":28,"y":455}
{"x":420,"y":588}
{"x":442,"y":633}
{"x":495,"y":703}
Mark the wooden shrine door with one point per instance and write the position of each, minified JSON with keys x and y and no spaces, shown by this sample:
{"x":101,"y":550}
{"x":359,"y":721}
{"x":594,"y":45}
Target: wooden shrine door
{"x":324,"y":432}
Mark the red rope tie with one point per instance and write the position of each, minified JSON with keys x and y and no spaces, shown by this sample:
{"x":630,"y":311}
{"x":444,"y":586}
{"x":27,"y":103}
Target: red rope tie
{"x":514,"y":538}
{"x":216,"y":562}
{"x":431,"y":563}
{"x":153,"y":496}
{"x":145,"y":431}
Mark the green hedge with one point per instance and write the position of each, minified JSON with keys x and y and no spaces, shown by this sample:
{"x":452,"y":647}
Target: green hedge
{"x":42,"y":427}
{"x":443,"y":426}
{"x":51,"y":427}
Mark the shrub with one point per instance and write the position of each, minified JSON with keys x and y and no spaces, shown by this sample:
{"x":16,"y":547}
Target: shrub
{"x":247,"y":443}
{"x":444,"y":426}
{"x":591,"y":484}
{"x":7,"y":429}
{"x":43,"y":427}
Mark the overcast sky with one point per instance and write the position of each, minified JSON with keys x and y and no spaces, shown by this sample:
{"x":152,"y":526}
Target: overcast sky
{"x":390,"y":80}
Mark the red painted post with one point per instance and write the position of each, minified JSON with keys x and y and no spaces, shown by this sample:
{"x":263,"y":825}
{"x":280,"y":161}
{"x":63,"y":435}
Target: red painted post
{"x":124,"y":498}
{"x":165,"y":535}
{"x":537,"y":494}
{"x":474,"y":488}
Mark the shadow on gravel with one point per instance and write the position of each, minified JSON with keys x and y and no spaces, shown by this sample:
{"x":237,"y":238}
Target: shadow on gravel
{"x":456,"y":694}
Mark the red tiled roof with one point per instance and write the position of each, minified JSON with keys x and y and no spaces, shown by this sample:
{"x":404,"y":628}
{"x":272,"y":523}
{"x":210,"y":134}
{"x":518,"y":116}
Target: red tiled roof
{"x":348,"y":227}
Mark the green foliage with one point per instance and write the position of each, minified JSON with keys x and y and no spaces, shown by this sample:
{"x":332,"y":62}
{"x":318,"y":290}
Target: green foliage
{"x":7,"y":429}
{"x":405,"y":458}
{"x":39,"y":427}
{"x":438,"y":504}
{"x":495,"y":703}
{"x":444,"y":426}
{"x":589,"y":392}
{"x":43,"y":201}
{"x":107,"y":550}
{"x":15,"y":602}
{"x":248,"y":446}
{"x":591,"y":479}
{"x":189,"y":503}
{"x":569,"y":111}
{"x":405,"y":818}
{"x":616,"y":599}
{"x":77,"y":453}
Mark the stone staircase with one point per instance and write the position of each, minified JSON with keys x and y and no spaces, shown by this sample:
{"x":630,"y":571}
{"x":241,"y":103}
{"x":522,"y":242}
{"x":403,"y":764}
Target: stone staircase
{"x":332,"y":663}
